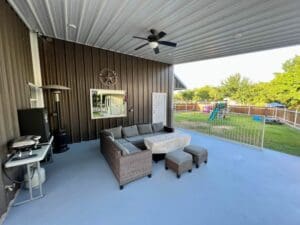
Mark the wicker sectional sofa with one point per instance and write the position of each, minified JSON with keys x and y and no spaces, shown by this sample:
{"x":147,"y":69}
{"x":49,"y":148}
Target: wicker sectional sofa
{"x":125,"y":152}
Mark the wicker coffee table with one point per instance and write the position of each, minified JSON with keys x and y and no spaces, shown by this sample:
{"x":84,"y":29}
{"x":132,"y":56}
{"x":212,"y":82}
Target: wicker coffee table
{"x":162,"y":144}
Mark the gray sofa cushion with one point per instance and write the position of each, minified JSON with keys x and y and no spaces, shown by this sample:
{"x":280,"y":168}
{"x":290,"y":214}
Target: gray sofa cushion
{"x":121,"y":148}
{"x":136,"y":140}
{"x":195,"y":150}
{"x":116,"y":131}
{"x":148,"y":135}
{"x":145,"y":128}
{"x":156,"y":127}
{"x":179,"y":157}
{"x":130,"y":148}
{"x":130,"y":131}
{"x":121,"y":141}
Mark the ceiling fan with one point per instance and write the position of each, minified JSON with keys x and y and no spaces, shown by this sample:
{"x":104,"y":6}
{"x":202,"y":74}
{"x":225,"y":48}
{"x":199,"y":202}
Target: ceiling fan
{"x":154,"y":41}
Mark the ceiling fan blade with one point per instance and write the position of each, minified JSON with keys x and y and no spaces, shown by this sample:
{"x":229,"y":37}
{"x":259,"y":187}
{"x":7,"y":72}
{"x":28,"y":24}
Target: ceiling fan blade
{"x":153,"y":31}
{"x":156,"y":50}
{"x":161,"y":34}
{"x":168,"y":43}
{"x":141,"y":46}
{"x":140,"y":38}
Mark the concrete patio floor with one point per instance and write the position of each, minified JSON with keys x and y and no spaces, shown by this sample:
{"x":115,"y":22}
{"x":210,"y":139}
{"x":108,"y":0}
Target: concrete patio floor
{"x":240,"y":185}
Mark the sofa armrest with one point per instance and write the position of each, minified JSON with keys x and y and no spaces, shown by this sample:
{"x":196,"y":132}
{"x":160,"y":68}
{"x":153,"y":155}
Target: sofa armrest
{"x":136,"y":159}
{"x":135,"y":165}
{"x":169,"y":129}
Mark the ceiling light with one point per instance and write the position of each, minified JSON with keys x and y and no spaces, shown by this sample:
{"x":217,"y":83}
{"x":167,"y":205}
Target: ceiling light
{"x":153,"y":44}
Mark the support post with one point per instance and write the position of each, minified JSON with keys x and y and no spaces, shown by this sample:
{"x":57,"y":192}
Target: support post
{"x":284,"y":115}
{"x":249,"y":109}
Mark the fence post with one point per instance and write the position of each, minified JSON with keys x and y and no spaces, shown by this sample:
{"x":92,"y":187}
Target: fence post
{"x":249,"y":109}
{"x":284,"y":115}
{"x":186,"y":106}
{"x":275,"y":112}
{"x":263,"y":132}
{"x":295,"y":120}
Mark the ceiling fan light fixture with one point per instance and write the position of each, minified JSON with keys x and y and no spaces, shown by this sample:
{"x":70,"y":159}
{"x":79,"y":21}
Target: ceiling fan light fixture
{"x":153,"y":44}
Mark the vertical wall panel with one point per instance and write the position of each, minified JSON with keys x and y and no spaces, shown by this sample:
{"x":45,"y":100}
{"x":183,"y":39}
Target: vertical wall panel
{"x":118,"y":86}
{"x":96,"y":84}
{"x":130,"y":93}
{"x":78,"y":67}
{"x":145,"y":92}
{"x":15,"y":72}
{"x":149,"y":86}
{"x":88,"y":74}
{"x":140,"y":85}
{"x":103,"y":64}
{"x":135,"y":87}
{"x":123,"y":80}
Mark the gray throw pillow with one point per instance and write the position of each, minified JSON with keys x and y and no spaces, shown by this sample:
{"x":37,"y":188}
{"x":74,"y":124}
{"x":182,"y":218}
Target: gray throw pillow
{"x":107,"y":133}
{"x":111,"y":138}
{"x":130,"y":131}
{"x":145,"y":129}
{"x":157,"y":127}
{"x":116,"y":131}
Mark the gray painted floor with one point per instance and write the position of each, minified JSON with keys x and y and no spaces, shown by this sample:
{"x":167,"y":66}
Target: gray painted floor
{"x":239,"y":185}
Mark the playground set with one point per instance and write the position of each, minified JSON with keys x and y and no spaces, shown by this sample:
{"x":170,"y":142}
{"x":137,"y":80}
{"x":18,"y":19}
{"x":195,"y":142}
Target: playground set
{"x":219,"y":111}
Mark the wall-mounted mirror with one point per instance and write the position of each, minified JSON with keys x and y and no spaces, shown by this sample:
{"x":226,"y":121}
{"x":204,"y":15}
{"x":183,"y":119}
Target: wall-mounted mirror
{"x":108,"y":103}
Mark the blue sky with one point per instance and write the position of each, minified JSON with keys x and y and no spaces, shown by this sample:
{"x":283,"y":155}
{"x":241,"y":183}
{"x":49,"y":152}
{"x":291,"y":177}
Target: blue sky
{"x":258,"y":66}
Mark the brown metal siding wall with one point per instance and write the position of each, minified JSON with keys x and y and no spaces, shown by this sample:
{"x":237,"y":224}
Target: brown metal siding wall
{"x":15,"y":72}
{"x":78,"y":67}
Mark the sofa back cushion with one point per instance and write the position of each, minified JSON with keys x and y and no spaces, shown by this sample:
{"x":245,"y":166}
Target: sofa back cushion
{"x":145,"y":129}
{"x":157,"y":127}
{"x":130,"y":131}
{"x":116,"y":131}
{"x":106,"y":133}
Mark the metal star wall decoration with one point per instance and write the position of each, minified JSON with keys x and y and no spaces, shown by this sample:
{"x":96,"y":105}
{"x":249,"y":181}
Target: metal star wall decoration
{"x":108,"y":77}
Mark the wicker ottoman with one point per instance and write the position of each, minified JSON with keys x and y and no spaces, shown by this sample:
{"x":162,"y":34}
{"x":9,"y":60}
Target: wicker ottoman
{"x":199,"y":154}
{"x":179,"y":161}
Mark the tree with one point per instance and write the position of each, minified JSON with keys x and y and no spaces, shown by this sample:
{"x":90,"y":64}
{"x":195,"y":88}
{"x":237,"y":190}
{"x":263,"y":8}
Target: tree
{"x":237,"y":88}
{"x":230,"y":85}
{"x":202,"y":94}
{"x":187,"y":95}
{"x":259,"y":94}
{"x":206,"y":93}
{"x":285,"y":87}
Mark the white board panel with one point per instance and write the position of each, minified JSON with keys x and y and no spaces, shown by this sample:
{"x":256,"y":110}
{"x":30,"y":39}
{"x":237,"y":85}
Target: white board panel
{"x":159,"y":107}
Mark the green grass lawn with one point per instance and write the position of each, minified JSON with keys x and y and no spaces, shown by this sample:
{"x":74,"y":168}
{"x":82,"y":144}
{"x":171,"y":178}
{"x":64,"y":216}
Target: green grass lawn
{"x":242,"y":128}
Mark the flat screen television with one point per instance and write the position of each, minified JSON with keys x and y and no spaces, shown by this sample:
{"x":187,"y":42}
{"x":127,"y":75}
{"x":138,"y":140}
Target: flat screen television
{"x":108,"y":103}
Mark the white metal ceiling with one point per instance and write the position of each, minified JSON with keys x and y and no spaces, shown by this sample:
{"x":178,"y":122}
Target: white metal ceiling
{"x":203,"y":29}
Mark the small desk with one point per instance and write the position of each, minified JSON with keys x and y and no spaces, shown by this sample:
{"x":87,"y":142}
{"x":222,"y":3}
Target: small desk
{"x":40,"y":155}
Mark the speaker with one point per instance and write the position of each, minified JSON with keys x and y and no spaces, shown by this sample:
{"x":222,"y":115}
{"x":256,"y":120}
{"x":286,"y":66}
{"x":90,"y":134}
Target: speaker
{"x":34,"y":122}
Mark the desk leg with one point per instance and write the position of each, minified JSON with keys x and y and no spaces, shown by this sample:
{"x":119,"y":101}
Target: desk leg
{"x":40,"y":179}
{"x":29,"y":180}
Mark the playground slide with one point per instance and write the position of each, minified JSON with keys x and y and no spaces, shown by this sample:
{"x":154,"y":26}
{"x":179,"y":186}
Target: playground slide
{"x":214,"y":114}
